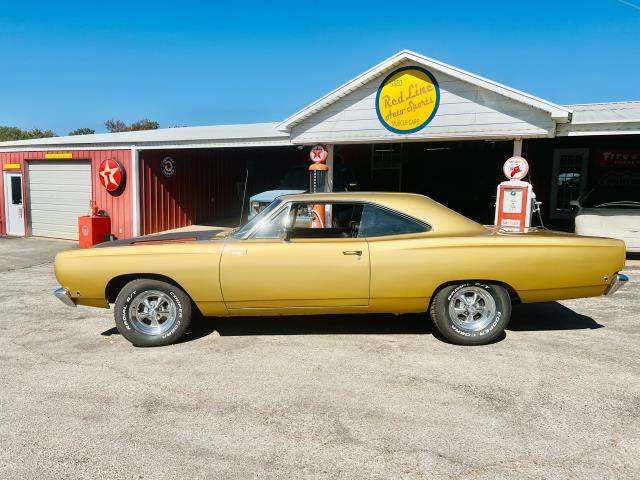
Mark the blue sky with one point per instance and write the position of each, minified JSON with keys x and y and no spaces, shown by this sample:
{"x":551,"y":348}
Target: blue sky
{"x":75,"y":64}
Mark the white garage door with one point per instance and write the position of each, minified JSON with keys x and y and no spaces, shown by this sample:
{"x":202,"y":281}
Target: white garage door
{"x":59,"y":192}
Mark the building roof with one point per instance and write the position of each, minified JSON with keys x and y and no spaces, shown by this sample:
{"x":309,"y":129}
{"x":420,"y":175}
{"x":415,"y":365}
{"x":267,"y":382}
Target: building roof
{"x":213,"y":135}
{"x":558,"y":112}
{"x":605,"y":112}
{"x":610,"y":118}
{"x":579,"y":119}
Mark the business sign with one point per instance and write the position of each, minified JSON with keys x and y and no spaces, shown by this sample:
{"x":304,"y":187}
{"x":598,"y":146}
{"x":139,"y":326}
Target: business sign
{"x":112,"y":175}
{"x":58,"y":155}
{"x":407,"y":100}
{"x":618,"y":159}
{"x":168,"y":166}
{"x":515,"y":168}
{"x":318,"y":154}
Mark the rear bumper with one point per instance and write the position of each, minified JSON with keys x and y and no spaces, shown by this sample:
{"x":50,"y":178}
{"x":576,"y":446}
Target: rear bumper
{"x":63,"y":295}
{"x":619,"y":280}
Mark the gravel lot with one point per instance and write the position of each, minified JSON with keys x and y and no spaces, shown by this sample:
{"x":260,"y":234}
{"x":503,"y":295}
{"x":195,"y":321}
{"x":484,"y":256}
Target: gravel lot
{"x":314,"y":397}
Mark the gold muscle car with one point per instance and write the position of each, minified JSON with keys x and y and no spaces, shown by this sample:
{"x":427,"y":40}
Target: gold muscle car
{"x":372,"y":252}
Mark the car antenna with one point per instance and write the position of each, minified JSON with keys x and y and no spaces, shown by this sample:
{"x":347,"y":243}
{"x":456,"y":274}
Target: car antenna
{"x":244,"y":195}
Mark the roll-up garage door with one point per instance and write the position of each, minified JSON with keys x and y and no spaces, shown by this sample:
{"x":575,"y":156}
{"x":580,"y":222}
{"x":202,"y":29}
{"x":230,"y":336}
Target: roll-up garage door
{"x":59,"y":192}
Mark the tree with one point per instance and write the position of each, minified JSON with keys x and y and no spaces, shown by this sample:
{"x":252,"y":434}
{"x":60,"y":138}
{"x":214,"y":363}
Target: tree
{"x":144,"y":124}
{"x":82,"y":131}
{"x":15,"y":133}
{"x":114,"y":126}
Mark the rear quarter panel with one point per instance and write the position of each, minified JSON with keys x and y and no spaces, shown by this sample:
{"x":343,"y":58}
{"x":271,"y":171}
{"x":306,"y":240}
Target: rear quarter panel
{"x":193,"y":266}
{"x":405,"y":272}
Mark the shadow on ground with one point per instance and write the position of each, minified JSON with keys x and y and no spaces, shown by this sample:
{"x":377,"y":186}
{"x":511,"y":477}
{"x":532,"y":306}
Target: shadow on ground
{"x":530,"y":317}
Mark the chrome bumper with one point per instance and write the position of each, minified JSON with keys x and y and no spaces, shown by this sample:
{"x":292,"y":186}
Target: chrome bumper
{"x":63,"y":295}
{"x":619,"y":280}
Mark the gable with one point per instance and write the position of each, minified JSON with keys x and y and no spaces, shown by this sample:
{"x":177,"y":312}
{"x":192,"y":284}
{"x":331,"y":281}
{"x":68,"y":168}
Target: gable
{"x":464,"y":110}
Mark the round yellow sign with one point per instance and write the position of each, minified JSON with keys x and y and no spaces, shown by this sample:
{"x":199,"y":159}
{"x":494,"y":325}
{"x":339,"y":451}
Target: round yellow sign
{"x":407,"y":100}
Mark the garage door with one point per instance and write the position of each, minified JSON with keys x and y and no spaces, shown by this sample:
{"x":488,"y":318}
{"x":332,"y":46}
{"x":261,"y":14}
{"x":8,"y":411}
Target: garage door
{"x":59,"y":192}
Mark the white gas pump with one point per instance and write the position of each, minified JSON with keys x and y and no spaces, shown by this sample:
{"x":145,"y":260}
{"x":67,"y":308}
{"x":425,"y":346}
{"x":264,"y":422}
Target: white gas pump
{"x":515,"y":199}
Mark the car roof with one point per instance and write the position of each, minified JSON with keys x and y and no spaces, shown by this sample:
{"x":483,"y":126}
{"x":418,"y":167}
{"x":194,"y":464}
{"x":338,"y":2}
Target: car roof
{"x":442,"y":219}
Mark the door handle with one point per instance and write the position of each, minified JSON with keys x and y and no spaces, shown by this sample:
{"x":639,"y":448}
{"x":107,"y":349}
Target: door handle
{"x":238,"y":251}
{"x":352,"y":252}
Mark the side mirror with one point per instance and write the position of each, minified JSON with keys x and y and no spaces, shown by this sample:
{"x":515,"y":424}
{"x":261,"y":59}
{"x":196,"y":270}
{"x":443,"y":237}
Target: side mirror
{"x":575,"y":204}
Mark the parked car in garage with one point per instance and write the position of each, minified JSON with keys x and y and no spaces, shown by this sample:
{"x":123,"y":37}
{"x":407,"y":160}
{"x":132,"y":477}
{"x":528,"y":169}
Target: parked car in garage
{"x":380,"y":252}
{"x":610,"y":212}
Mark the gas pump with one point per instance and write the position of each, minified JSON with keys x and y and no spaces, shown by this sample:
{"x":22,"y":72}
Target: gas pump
{"x":515,"y":199}
{"x":318,"y":177}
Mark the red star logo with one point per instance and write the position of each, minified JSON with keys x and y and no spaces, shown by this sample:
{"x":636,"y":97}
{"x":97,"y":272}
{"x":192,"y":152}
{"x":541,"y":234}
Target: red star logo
{"x":110,"y":175}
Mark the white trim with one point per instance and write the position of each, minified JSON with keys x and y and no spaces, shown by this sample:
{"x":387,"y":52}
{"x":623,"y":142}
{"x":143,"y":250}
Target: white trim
{"x":135,"y":193}
{"x":557,"y":112}
{"x":149,"y":146}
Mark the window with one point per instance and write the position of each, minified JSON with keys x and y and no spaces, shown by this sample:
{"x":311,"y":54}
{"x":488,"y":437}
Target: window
{"x":341,"y":220}
{"x":569,"y":179}
{"x":16,"y":190}
{"x":378,"y":222}
{"x":260,"y":217}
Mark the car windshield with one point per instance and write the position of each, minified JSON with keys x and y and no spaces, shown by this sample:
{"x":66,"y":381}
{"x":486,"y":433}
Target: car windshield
{"x":264,"y":213}
{"x":619,"y":197}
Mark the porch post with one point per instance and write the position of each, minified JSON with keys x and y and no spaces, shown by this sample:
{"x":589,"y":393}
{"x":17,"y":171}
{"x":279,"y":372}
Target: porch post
{"x":135,"y":193}
{"x":517,"y":147}
{"x":329,"y":187}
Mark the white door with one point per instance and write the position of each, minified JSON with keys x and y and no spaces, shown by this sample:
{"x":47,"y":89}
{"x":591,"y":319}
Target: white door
{"x":13,"y":205}
{"x":59,"y":192}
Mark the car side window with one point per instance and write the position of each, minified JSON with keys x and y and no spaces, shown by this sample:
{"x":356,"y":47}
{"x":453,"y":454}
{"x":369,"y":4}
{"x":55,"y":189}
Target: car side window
{"x":273,"y":228}
{"x":379,"y":222}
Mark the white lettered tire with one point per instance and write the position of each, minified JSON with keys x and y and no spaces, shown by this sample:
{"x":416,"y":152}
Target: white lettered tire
{"x":152,"y":313}
{"x":471,"y":313}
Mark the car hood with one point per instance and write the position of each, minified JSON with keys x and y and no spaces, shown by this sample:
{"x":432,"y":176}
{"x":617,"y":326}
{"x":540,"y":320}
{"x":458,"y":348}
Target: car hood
{"x":170,"y":237}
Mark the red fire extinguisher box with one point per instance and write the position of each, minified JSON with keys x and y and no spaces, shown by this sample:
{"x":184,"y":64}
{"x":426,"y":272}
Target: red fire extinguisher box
{"x":93,"y":229}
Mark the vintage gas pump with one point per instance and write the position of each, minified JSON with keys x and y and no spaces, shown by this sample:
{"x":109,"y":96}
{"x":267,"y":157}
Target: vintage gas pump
{"x":318,"y":177}
{"x":515,"y":199}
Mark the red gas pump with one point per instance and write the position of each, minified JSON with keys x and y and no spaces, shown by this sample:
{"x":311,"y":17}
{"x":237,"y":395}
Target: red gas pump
{"x":515,"y":200}
{"x":318,"y":177}
{"x":94,"y":228}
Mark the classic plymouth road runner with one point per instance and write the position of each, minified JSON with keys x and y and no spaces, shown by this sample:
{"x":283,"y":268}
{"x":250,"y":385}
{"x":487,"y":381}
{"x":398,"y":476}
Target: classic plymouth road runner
{"x":375,"y":252}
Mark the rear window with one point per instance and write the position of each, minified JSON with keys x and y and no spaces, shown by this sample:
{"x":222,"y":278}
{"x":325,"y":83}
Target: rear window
{"x":378,"y":222}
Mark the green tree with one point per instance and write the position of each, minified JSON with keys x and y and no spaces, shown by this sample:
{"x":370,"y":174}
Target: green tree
{"x":82,"y":131}
{"x":144,"y":124}
{"x":14,"y":133}
{"x":115,"y":126}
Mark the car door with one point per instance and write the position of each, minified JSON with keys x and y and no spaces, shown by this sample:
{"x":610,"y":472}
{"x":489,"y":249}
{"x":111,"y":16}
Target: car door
{"x":263,"y":271}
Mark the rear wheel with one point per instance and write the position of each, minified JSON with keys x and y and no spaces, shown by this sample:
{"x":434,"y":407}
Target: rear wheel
{"x":471,"y":313}
{"x":151,"y":313}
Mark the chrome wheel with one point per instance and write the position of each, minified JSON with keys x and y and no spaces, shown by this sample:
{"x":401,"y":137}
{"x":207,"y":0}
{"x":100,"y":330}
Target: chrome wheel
{"x":472,"y":309}
{"x":153,"y":312}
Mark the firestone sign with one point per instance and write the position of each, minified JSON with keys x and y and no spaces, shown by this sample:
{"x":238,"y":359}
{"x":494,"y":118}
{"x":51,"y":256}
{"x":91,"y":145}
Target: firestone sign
{"x":407,"y":100}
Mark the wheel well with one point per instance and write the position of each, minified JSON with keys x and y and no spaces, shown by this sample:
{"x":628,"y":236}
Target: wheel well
{"x":513,"y":295}
{"x":117,"y":283}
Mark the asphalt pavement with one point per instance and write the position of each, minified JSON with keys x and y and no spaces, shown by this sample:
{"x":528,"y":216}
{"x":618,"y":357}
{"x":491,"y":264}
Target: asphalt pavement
{"x":376,"y":397}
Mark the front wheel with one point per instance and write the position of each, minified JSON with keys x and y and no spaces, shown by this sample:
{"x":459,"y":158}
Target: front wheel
{"x":471,"y":313}
{"x":151,"y":313}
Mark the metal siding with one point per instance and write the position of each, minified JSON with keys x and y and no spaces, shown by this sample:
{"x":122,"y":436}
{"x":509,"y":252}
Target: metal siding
{"x":117,"y":207}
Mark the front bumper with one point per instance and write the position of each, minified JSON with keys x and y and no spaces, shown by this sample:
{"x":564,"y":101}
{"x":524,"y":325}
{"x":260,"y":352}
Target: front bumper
{"x":619,"y":280}
{"x":63,"y":295}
